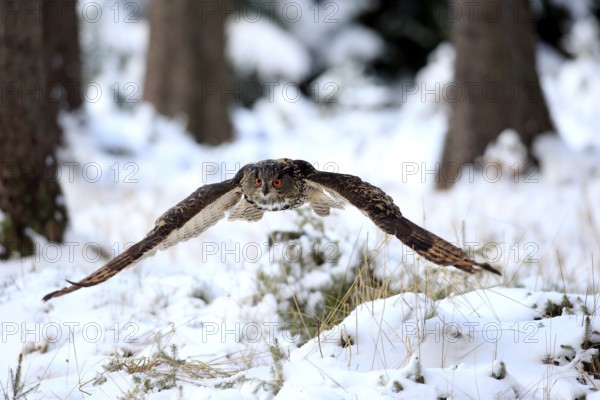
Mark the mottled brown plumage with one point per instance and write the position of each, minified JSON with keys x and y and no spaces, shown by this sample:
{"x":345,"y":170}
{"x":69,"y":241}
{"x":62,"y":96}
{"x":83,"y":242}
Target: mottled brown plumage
{"x":274,"y":185}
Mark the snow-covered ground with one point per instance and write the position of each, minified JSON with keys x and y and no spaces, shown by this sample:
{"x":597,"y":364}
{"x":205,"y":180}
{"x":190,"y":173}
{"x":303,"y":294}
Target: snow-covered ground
{"x":224,"y":299}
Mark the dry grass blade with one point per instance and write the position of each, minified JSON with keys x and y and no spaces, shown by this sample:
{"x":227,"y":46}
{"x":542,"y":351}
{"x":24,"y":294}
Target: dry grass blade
{"x":158,"y":365}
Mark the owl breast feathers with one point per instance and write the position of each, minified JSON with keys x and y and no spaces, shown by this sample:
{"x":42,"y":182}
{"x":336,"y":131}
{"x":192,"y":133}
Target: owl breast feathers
{"x":275,"y":185}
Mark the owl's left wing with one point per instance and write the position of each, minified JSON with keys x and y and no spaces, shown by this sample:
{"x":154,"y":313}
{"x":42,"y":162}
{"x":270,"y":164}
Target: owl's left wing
{"x":380,"y":208}
{"x":192,"y":216}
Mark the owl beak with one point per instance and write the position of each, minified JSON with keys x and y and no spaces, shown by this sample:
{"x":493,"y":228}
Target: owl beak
{"x":265,"y":190}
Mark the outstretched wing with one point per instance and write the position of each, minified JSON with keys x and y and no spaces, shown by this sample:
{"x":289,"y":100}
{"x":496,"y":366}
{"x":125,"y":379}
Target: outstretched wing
{"x":380,"y":208}
{"x":192,"y":216}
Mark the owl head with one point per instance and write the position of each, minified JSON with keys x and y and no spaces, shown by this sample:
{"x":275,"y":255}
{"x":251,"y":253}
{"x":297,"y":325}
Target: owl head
{"x":273,"y":185}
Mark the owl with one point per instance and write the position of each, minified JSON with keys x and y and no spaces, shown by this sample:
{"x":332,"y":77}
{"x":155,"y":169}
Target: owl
{"x":276,"y":185}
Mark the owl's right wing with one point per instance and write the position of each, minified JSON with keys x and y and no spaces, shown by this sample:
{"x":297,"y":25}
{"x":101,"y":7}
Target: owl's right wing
{"x":192,"y":216}
{"x":382,"y":210}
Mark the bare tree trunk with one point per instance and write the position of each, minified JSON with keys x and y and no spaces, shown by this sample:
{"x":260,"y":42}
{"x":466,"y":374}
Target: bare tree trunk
{"x":30,"y":196}
{"x":495,"y":69}
{"x":186,"y":68}
{"x":62,"y":53}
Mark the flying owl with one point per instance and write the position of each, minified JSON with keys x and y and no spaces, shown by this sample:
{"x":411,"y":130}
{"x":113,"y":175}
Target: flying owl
{"x":275,"y":185}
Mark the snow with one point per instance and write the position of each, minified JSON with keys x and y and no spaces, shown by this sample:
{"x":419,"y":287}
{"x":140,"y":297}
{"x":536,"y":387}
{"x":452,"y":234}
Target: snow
{"x":354,"y":42}
{"x":224,"y":298}
{"x":267,"y":50}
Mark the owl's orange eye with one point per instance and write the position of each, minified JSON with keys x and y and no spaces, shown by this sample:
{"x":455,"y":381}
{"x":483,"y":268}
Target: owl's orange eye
{"x":277,"y":182}
{"x":258,"y":182}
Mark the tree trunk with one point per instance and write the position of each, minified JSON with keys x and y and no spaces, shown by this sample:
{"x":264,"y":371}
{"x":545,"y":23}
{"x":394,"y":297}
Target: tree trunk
{"x":30,"y":196}
{"x":186,"y":69}
{"x":496,"y":73}
{"x":62,"y":53}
